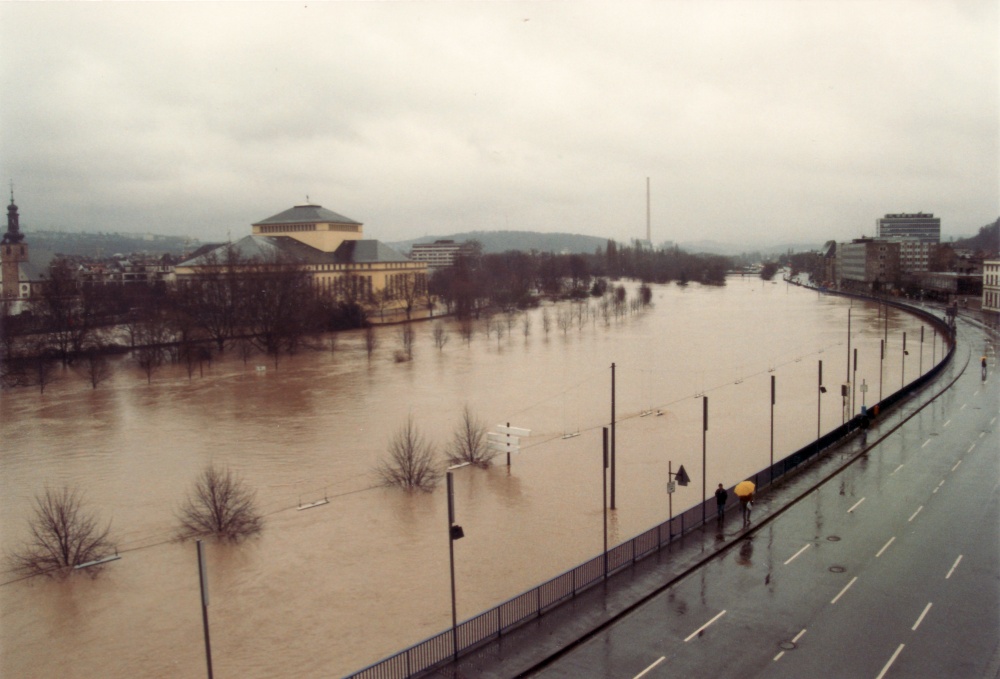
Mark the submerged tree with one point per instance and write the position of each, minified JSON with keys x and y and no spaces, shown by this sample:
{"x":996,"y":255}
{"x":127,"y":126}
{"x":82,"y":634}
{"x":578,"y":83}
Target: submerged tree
{"x":63,"y":535}
{"x":223,"y":505}
{"x":411,"y":462}
{"x":468,"y":444}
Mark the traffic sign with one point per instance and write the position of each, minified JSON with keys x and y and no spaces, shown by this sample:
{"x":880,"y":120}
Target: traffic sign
{"x":513,"y":431}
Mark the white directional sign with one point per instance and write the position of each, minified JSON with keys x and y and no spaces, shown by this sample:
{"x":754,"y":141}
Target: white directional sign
{"x":513,"y":431}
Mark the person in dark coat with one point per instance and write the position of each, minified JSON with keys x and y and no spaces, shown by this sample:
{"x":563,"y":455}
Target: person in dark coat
{"x":720,"y":500}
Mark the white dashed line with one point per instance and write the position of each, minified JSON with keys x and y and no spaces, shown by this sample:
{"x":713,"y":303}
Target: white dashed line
{"x":793,"y":557}
{"x":650,"y":668}
{"x":846,"y":587}
{"x":953,"y":567}
{"x":921,"y":618}
{"x":703,"y":627}
{"x":885,"y":546}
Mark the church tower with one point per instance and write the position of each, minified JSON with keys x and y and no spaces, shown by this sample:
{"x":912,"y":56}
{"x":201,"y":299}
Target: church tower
{"x":13,"y":251}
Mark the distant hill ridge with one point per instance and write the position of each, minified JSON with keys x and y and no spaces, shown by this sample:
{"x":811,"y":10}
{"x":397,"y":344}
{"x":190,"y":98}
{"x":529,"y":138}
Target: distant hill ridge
{"x":502,"y":241}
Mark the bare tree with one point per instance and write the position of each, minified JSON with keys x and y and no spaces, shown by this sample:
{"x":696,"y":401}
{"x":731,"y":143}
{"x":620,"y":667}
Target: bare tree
{"x":63,"y":535}
{"x":410,"y":463}
{"x":546,"y":321}
{"x":469,"y":441}
{"x":223,"y":505}
{"x":526,"y":324}
{"x":440,"y":335}
{"x":564,"y":319}
{"x":466,"y":329}
{"x":498,"y":328}
{"x":371,"y":340}
{"x":406,"y":337}
{"x":95,"y":365}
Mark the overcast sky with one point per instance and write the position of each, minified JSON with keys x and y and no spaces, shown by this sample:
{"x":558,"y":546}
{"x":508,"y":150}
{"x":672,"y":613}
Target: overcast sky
{"x":756,"y":121}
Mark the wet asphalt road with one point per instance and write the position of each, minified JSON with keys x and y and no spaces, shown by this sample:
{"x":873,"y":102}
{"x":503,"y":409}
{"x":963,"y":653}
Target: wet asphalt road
{"x":891,"y":569}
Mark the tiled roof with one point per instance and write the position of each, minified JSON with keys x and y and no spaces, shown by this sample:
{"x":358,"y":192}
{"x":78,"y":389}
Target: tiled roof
{"x":266,"y":248}
{"x":307,"y":214}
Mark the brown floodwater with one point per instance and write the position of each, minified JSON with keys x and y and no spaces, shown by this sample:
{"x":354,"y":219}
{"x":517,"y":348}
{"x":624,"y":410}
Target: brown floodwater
{"x":328,"y":590}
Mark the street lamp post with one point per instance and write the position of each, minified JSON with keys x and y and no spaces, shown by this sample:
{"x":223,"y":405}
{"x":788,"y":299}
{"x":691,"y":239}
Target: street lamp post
{"x":881,"y":360}
{"x":203,"y":579}
{"x":819,"y":393}
{"x":604,"y":476}
{"x":902,"y":377}
{"x":854,"y":378}
{"x":772,"y":429}
{"x":455,"y":532}
{"x":704,"y":442}
{"x":921,"y":350}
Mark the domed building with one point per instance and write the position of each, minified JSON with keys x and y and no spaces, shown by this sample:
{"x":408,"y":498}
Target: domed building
{"x":332,"y":250}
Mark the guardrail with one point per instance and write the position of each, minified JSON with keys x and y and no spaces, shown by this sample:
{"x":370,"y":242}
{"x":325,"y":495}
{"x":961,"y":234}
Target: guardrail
{"x":495,"y":622}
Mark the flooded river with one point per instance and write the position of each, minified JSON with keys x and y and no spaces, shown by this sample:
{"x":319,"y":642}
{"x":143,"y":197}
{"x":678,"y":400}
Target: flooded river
{"x":328,"y":590}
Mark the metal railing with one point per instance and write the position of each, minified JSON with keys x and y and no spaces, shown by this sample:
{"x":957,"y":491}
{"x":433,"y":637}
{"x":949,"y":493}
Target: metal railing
{"x":494,"y":623}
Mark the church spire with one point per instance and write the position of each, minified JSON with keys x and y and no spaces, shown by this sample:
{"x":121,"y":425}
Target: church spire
{"x":13,"y":234}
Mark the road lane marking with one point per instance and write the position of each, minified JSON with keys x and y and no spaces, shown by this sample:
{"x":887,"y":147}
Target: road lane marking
{"x":855,"y":505}
{"x":938,"y":487}
{"x":885,"y":546}
{"x":971,"y":448}
{"x":953,"y":567}
{"x":963,"y":406}
{"x":910,"y":520}
{"x":925,"y":443}
{"x":896,"y":469}
{"x":982,"y":434}
{"x":795,"y":556}
{"x":946,"y":423}
{"x":650,"y":668}
{"x":891,"y":660}
{"x":956,"y":465}
{"x":703,"y":627}
{"x":795,"y":640}
{"x":846,"y":587}
{"x":921,"y":618}
{"x":993,"y":420}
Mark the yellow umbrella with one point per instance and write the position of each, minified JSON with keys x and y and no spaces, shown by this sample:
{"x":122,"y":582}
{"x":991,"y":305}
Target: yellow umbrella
{"x":744,"y":489}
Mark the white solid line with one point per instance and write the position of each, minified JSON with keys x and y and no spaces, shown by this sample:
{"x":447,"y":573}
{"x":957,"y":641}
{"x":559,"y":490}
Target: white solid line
{"x":846,"y":587}
{"x":778,"y":657}
{"x":925,"y":443}
{"x":896,"y":469}
{"x":953,"y":567}
{"x":648,"y":669}
{"x":915,"y":514}
{"x":885,"y":546}
{"x":794,"y":556}
{"x":921,"y":618}
{"x":891,"y":660}
{"x":798,"y":636}
{"x":702,"y":628}
{"x":956,"y":465}
{"x":855,"y":505}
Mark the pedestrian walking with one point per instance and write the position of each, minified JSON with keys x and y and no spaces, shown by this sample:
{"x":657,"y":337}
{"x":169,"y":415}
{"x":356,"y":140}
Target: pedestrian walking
{"x":982,"y":362}
{"x":720,"y":501}
{"x":746,"y":504}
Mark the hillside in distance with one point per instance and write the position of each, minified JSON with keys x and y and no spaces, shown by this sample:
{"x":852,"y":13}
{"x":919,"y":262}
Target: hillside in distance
{"x":494,"y":242}
{"x":101,"y":245}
